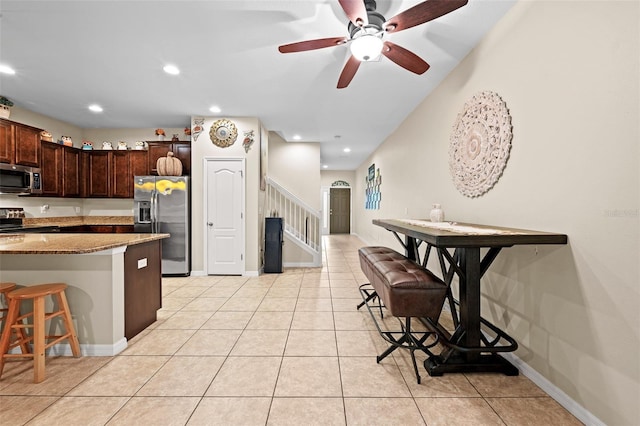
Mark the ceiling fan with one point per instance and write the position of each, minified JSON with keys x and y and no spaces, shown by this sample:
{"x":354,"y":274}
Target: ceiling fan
{"x":367,"y":29}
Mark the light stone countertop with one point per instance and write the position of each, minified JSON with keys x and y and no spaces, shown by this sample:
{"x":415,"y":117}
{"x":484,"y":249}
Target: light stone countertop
{"x":78,"y":220}
{"x":56,"y":243}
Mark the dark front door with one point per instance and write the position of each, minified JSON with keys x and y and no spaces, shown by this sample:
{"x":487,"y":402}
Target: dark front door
{"x":340,"y":211}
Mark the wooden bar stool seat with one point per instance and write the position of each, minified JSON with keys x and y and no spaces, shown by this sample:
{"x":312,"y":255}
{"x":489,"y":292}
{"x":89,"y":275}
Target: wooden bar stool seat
{"x":15,"y":325}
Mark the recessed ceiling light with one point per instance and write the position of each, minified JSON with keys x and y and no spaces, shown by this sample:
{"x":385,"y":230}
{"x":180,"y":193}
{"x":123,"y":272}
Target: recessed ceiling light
{"x":296,"y":137}
{"x":347,"y":150}
{"x":324,"y":166}
{"x":215,"y":109}
{"x":5,"y":69}
{"x":171,"y":69}
{"x":95,"y":108}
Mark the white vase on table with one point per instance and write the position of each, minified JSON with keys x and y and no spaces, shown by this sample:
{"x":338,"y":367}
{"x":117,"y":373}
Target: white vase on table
{"x":436,"y":214}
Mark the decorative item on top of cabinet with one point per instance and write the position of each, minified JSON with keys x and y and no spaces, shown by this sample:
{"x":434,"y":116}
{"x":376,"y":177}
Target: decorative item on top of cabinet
{"x":5,"y":107}
{"x":181,"y":150}
{"x":122,"y":146}
{"x":66,"y":141}
{"x":140,"y":145}
{"x":169,"y":165}
{"x":160,"y":134}
{"x":87,"y":145}
{"x":46,"y":136}
{"x":107,"y":146}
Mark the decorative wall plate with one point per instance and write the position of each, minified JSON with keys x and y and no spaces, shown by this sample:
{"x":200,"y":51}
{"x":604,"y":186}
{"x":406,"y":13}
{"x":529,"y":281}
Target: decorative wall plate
{"x":480,"y":144}
{"x":223,"y":133}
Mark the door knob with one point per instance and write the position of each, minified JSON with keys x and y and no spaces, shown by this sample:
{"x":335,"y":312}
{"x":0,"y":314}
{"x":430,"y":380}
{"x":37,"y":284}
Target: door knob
{"x":210,"y":223}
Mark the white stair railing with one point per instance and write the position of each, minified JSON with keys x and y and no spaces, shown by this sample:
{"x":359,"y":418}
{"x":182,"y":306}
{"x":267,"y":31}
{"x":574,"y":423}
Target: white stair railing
{"x":301,"y":221}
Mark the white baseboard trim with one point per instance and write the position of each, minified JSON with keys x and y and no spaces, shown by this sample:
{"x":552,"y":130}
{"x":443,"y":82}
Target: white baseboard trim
{"x":246,"y":274}
{"x":581,"y":413}
{"x":63,"y":349}
{"x":300,"y":265}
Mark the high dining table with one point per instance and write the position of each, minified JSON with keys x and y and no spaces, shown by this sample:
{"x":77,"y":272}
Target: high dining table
{"x":475,"y":343}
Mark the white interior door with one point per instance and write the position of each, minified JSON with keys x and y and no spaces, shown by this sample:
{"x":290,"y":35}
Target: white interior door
{"x":225,"y":216}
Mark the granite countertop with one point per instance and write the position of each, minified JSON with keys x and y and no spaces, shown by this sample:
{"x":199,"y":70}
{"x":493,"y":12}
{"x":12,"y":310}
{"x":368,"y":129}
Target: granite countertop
{"x":70,"y":243}
{"x":78,"y":220}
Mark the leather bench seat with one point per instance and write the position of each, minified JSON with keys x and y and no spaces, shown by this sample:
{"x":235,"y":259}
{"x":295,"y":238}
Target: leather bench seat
{"x":405,"y":288}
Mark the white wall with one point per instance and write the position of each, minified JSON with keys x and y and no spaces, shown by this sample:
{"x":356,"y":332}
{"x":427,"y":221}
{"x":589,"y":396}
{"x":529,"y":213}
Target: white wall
{"x":569,"y":74}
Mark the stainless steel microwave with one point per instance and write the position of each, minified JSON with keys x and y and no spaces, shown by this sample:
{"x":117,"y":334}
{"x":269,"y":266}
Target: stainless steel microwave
{"x":16,"y":179}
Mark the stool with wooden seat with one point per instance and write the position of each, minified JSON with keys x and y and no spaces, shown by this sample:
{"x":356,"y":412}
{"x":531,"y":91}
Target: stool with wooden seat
{"x":5,"y":288}
{"x":40,"y":341}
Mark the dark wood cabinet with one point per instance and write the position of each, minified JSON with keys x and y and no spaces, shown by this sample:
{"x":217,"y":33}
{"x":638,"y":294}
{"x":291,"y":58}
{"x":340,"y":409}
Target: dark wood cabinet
{"x":97,"y":229}
{"x":96,"y":167}
{"x":71,"y":172}
{"x":139,"y":163}
{"x":181,"y":150}
{"x":7,"y":151}
{"x":142,"y":286}
{"x":51,"y":168}
{"x":19,"y":144}
{"x":122,"y":180}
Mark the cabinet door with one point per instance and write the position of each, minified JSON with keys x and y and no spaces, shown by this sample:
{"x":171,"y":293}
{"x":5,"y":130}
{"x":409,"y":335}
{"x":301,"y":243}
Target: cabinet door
{"x":51,"y":168}
{"x":139,"y":163}
{"x":6,"y":142}
{"x":71,"y":176}
{"x":122,"y":183}
{"x":97,"y":173}
{"x":182,"y":151}
{"x":157,"y":150}
{"x":27,"y":145}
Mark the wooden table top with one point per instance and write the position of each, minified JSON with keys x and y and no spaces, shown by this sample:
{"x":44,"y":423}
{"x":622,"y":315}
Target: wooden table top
{"x":454,"y":234}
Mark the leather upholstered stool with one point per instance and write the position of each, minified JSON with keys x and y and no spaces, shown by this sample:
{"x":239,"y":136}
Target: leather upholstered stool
{"x":15,"y":325}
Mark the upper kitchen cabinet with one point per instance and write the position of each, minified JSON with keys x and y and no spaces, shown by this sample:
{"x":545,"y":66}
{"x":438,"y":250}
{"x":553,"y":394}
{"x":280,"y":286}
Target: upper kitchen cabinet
{"x":96,"y":168}
{"x":19,"y":144}
{"x":181,"y":151}
{"x":52,"y":167}
{"x":72,"y":173}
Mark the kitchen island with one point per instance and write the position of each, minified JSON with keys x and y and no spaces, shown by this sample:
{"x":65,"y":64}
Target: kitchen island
{"x":114,"y":281}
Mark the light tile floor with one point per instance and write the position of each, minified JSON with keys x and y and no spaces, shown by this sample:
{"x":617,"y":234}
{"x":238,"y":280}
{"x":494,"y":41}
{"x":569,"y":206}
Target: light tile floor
{"x":279,"y":349}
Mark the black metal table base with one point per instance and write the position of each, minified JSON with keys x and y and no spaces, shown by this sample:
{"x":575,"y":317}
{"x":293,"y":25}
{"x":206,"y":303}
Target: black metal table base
{"x":490,"y":363}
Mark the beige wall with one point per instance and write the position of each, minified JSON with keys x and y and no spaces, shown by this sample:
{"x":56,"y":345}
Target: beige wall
{"x":296,"y":166}
{"x":55,"y":127}
{"x":327,"y":177}
{"x":568,"y":72}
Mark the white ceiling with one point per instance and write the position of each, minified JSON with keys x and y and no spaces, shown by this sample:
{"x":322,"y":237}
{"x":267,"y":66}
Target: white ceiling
{"x":69,"y":54}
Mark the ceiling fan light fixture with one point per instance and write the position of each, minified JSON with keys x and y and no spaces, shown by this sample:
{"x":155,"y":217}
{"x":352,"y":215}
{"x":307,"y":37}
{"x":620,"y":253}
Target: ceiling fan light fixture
{"x":366,"y":47}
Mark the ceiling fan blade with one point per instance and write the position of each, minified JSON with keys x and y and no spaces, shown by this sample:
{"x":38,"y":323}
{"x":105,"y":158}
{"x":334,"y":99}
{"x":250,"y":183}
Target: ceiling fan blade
{"x":421,"y":13}
{"x":356,"y":11}
{"x":348,"y":72}
{"x":406,"y":59}
{"x":320,"y":43}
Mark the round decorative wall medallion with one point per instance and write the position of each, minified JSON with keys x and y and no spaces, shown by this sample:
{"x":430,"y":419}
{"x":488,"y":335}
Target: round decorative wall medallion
{"x":223,"y":133}
{"x":480,"y":144}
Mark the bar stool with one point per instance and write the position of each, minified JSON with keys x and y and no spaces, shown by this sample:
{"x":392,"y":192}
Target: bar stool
{"x":5,"y":288}
{"x":41,"y":342}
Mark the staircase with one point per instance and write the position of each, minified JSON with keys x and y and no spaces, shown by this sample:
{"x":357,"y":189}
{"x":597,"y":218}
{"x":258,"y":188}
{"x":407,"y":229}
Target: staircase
{"x":301,"y":222}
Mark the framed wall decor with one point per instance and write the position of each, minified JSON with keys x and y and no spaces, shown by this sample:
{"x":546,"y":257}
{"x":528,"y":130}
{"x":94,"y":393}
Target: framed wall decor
{"x":223,"y":133}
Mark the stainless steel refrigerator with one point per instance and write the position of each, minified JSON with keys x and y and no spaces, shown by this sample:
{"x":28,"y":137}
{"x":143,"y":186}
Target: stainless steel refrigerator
{"x":162,"y":205}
